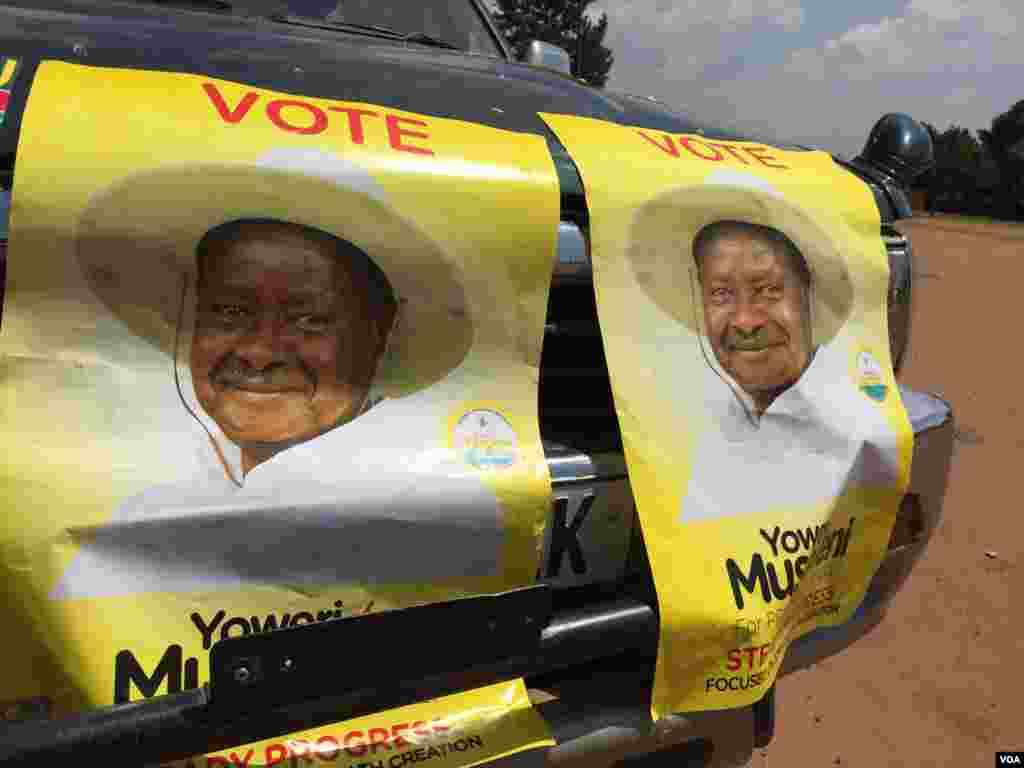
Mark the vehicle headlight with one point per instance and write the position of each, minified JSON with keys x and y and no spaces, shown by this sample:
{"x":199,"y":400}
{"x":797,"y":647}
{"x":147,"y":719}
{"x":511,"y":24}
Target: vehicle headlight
{"x":900,"y":285}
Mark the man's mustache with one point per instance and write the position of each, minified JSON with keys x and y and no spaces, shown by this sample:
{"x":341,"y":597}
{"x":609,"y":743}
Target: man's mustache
{"x":233,"y":372}
{"x":734,"y":339}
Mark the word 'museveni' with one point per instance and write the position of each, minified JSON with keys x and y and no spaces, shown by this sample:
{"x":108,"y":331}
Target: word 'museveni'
{"x":819,"y":544}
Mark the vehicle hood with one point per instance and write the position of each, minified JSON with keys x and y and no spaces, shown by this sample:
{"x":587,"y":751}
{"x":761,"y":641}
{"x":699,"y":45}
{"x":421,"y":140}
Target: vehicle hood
{"x":316,"y":63}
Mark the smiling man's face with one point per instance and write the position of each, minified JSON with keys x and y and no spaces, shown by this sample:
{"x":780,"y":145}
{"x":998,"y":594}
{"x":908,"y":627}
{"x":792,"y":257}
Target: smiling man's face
{"x":286,"y":339}
{"x":756,"y":308}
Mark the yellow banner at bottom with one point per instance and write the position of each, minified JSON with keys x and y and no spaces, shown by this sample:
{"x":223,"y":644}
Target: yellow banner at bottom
{"x":457,"y":731}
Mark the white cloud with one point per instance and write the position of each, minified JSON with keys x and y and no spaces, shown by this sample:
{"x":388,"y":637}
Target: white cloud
{"x":935,"y":37}
{"x":943,"y":61}
{"x":661,"y":43}
{"x":944,"y":10}
{"x":961,"y":97}
{"x":782,"y":12}
{"x":997,"y":17}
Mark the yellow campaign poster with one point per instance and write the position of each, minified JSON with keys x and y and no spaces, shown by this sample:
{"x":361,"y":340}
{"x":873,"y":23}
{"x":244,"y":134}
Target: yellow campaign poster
{"x":266,"y":360}
{"x":741,"y":291}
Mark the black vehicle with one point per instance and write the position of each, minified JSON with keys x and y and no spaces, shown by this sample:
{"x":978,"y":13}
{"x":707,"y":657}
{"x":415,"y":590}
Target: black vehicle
{"x":589,"y":665}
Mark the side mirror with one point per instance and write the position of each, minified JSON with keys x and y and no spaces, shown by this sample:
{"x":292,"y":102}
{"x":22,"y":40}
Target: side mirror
{"x":541,"y":54}
{"x":900,"y":147}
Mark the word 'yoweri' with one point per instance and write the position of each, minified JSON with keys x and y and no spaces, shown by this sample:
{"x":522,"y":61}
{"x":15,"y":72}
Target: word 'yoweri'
{"x":239,"y":626}
{"x":309,"y":119}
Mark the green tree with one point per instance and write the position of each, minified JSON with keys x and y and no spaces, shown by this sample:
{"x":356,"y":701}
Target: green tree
{"x":955,"y":147}
{"x":563,"y":23}
{"x":1003,"y":142}
{"x":961,"y":148}
{"x":962,"y":172}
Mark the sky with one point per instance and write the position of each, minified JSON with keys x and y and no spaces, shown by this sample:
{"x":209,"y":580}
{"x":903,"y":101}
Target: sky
{"x":820,"y":72}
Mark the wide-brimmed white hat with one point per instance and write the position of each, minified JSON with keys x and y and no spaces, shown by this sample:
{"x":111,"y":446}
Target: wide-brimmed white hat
{"x":662,"y":235}
{"x":136,"y":246}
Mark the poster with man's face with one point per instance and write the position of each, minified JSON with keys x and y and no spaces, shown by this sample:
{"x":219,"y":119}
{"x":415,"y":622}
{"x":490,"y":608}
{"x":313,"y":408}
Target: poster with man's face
{"x":269,"y":359}
{"x":285,"y":347}
{"x":755,"y":290}
{"x":741,"y":290}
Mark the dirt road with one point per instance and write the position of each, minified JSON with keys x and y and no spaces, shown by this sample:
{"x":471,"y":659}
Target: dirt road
{"x":940,"y":682}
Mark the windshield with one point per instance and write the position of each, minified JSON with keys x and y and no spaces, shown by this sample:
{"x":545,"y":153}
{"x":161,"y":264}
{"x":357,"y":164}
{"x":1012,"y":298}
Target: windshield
{"x":454,"y":21}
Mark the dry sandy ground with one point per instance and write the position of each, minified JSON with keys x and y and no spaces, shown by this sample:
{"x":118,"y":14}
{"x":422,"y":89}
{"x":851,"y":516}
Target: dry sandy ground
{"x":940,"y":682}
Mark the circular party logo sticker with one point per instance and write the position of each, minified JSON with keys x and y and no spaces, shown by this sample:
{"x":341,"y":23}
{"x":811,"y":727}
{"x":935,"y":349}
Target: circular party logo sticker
{"x":485,"y":439}
{"x":869,"y":376}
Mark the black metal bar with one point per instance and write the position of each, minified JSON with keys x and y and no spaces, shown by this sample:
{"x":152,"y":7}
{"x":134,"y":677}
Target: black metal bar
{"x":181,"y":725}
{"x":124,"y":731}
{"x":277,"y":669}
